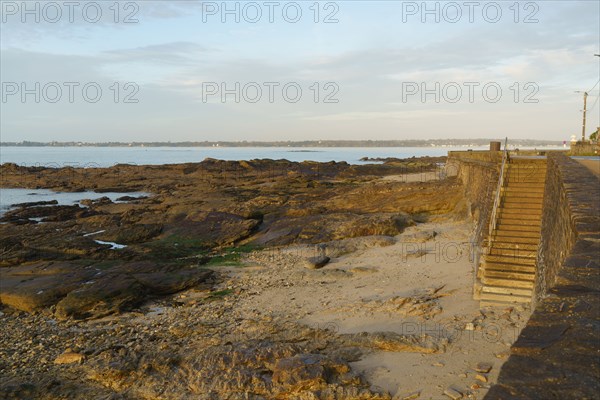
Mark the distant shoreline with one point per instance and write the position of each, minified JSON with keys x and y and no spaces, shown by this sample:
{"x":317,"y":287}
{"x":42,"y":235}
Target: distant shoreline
{"x":308,"y":143}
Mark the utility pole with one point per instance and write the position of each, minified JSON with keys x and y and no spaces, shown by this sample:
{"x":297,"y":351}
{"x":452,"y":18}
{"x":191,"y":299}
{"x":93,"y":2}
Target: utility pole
{"x":585,"y":95}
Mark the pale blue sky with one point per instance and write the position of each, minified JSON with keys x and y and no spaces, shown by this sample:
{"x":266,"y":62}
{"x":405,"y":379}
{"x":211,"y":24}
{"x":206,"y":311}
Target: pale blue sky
{"x":370,"y":54}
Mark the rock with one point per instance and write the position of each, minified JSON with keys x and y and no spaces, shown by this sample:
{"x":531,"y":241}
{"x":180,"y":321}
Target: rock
{"x":411,"y":396}
{"x":306,"y":372}
{"x":502,"y":354}
{"x":36,"y":203}
{"x":316,"y":262}
{"x":69,"y":357}
{"x":46,"y":284}
{"x":56,"y":213}
{"x":469,"y":326}
{"x":392,"y":341}
{"x":110,"y":294}
{"x":363,"y":270}
{"x":167,"y":282}
{"x":131,"y":234}
{"x":483,"y":367}
{"x":203,"y":259}
{"x":419,"y":237}
{"x":453,"y":393}
{"x":481,"y":377}
{"x":131,"y":198}
{"x":339,"y":248}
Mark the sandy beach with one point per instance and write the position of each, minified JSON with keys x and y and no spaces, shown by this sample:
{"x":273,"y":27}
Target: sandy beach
{"x":422,"y":283}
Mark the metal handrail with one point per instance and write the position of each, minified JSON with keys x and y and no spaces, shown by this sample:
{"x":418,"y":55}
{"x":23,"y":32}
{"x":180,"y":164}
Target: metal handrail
{"x":498,"y":190}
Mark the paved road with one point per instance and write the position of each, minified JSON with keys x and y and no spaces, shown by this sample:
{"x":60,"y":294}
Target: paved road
{"x":592,"y":165}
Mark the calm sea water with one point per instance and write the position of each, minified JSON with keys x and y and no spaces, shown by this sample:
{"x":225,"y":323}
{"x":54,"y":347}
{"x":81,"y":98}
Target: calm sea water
{"x":108,"y":156}
{"x":9,"y":197}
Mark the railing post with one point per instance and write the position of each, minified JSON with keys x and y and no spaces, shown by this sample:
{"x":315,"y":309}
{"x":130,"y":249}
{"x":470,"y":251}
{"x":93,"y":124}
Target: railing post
{"x":492,"y":225}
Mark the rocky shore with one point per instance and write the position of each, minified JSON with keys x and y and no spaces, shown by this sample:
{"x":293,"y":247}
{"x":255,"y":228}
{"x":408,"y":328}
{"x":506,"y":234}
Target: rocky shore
{"x":204,"y":288}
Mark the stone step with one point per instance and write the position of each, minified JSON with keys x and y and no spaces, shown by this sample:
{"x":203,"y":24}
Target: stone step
{"x":503,"y":226}
{"x":489,"y":267}
{"x":512,"y":198}
{"x":516,"y":159}
{"x":516,"y":283}
{"x":520,"y":222}
{"x":525,"y":204}
{"x":510,"y":206}
{"x":515,"y":247}
{"x":510,"y":275}
{"x":515,"y":185}
{"x":515,"y":211}
{"x":519,"y":252}
{"x":507,"y":291}
{"x":533,"y":172}
{"x":492,"y":299}
{"x":533,"y":191}
{"x":498,"y":233}
{"x":526,"y":173}
{"x":510,"y":181}
{"x":510,"y":260}
{"x":523,"y":194}
{"x":532,"y":215}
{"x":516,"y":240}
{"x":534,"y":166}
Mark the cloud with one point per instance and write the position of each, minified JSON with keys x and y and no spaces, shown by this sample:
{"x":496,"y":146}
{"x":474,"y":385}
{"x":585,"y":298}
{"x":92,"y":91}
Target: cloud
{"x":170,"y":58}
{"x":165,"y":53}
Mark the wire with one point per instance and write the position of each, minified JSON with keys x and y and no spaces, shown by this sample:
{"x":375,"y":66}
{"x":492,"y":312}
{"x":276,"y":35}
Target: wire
{"x":595,"y":102}
{"x":594,"y":86}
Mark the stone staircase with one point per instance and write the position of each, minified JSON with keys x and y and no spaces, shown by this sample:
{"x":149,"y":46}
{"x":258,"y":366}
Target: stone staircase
{"x":508,"y":265}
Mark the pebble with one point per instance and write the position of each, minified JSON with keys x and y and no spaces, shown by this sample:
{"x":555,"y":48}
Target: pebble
{"x":483,"y":367}
{"x":413,"y":395}
{"x":481,"y":377}
{"x":453,"y":393}
{"x":69,"y":357}
{"x":316,"y":262}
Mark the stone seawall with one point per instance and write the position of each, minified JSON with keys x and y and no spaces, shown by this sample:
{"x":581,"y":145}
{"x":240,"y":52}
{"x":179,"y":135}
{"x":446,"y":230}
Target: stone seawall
{"x":557,"y":355}
{"x":558,"y":232}
{"x":479,"y":173}
{"x":584,"y":149}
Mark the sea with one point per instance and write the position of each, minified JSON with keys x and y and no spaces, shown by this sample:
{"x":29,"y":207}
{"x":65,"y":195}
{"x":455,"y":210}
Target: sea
{"x":109,"y":156}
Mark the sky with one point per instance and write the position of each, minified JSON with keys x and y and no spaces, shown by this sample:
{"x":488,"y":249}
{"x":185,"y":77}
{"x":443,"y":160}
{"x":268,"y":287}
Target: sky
{"x":276,"y":70}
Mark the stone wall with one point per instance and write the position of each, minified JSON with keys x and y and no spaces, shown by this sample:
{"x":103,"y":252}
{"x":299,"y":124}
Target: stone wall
{"x":585,"y":149}
{"x":557,"y":355}
{"x":479,"y":173}
{"x":558,"y":233}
